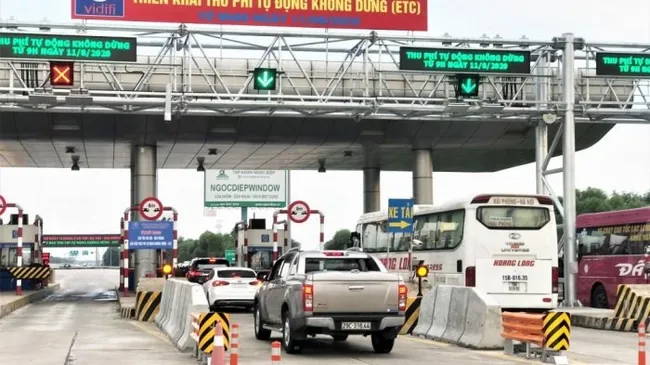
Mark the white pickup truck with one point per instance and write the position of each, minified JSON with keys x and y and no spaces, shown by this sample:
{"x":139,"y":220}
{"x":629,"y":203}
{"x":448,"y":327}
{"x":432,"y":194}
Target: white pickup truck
{"x":336,"y":293}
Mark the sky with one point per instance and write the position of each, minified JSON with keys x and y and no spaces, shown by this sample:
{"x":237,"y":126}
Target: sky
{"x":91,"y":201}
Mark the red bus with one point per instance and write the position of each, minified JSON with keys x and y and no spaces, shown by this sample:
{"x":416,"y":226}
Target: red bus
{"x":613,"y":248}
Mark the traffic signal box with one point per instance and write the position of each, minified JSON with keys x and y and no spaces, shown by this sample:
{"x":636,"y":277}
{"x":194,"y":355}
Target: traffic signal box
{"x":265,"y":79}
{"x":61,"y":73}
{"x":467,"y":85}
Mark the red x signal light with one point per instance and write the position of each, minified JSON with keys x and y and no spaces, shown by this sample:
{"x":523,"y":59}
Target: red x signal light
{"x":61,"y":73}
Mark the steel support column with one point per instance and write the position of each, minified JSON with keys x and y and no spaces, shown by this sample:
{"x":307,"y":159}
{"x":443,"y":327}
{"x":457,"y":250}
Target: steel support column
{"x":568,"y":161}
{"x":371,"y":189}
{"x":541,"y":131}
{"x":422,"y":176}
{"x":143,"y":175}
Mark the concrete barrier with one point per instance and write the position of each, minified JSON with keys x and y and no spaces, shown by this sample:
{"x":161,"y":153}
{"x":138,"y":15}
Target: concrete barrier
{"x":440,"y":312}
{"x":462,"y":316}
{"x":179,"y":299}
{"x":26,"y":299}
{"x":426,"y":313}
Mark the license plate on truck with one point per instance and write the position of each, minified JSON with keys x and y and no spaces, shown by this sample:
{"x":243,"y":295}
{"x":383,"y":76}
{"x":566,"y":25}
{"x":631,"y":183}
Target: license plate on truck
{"x":355,"y":325}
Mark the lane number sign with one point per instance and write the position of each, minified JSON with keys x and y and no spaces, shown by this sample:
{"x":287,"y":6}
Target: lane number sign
{"x":151,"y":208}
{"x":299,"y":211}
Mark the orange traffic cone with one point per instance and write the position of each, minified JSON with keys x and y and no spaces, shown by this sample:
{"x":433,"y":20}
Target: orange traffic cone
{"x":218,"y":356}
{"x":234,"y":344}
{"x":276,"y":354}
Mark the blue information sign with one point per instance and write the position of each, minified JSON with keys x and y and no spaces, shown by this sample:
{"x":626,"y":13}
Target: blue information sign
{"x":400,"y":215}
{"x":151,"y":235}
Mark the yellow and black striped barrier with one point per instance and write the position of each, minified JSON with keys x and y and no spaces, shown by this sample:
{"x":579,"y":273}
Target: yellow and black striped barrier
{"x":26,"y":272}
{"x":207,"y":322}
{"x":127,"y":312}
{"x":147,"y":305}
{"x":411,"y":316}
{"x":557,"y":330}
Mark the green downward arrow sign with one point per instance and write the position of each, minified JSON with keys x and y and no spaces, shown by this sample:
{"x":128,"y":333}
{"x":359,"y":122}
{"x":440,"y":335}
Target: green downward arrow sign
{"x":468,"y":85}
{"x":265,"y":79}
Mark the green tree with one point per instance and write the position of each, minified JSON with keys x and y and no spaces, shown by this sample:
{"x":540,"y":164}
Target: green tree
{"x":593,"y":200}
{"x":111,"y":257}
{"x":339,"y":241}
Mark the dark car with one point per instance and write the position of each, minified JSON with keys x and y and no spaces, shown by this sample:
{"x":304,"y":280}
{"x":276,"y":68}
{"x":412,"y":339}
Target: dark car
{"x":200,"y":268}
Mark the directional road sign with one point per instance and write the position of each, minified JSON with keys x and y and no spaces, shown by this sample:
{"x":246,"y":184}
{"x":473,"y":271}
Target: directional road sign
{"x":3,"y":205}
{"x":151,"y":208}
{"x":400,"y":215}
{"x":265,"y":78}
{"x":230,"y":256}
{"x":299,"y":211}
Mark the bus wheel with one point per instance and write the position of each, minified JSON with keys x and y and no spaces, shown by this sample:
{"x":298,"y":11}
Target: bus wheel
{"x":599,"y":297}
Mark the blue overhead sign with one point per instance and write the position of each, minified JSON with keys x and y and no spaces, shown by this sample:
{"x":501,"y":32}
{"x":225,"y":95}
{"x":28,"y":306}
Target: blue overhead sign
{"x":400,"y":215}
{"x":151,"y":235}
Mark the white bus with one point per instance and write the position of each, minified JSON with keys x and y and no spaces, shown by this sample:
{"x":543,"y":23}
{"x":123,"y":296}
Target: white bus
{"x":504,"y":245}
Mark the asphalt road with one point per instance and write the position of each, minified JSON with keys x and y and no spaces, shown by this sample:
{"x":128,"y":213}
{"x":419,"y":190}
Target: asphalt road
{"x":80,"y":326}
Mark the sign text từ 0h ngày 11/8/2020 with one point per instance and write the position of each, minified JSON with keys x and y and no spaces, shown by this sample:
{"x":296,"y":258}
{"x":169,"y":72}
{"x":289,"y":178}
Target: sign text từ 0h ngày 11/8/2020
{"x":404,"y":15}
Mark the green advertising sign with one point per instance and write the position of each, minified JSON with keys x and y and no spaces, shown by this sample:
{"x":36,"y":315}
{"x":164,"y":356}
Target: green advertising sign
{"x":81,"y":240}
{"x":68,"y":47}
{"x":230,"y":256}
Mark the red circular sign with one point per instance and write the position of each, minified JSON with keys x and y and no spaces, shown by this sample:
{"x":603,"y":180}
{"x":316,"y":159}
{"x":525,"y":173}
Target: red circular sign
{"x":299,"y":211}
{"x":151,"y":208}
{"x":3,"y":205}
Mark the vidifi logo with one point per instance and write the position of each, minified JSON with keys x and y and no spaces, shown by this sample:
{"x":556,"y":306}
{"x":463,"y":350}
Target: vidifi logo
{"x":99,"y":8}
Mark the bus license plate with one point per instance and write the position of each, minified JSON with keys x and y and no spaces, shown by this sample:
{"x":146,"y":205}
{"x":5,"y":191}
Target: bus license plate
{"x":355,"y":325}
{"x":514,"y":287}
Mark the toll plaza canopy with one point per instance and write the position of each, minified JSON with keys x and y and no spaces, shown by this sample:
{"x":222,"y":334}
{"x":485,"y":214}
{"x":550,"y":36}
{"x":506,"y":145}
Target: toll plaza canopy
{"x":194,"y":92}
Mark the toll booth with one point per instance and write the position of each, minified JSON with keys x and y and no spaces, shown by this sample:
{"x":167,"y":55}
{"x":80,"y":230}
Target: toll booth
{"x":8,"y":250}
{"x":260,"y":244}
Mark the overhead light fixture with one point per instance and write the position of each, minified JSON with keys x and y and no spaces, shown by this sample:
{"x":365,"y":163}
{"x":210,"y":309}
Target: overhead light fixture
{"x":225,"y":130}
{"x":65,"y":127}
{"x":40,"y":99}
{"x":69,"y":149}
{"x":347,"y":153}
{"x":321,"y":165}
{"x":200,"y":160}
{"x":456,"y":108}
{"x":79,"y":99}
{"x":212,"y":151}
{"x":371,"y":133}
{"x":75,"y":163}
{"x":490,"y":108}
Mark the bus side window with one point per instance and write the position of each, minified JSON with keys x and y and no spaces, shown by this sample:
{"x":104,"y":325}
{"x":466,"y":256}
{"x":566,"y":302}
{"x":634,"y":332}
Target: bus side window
{"x":370,"y":237}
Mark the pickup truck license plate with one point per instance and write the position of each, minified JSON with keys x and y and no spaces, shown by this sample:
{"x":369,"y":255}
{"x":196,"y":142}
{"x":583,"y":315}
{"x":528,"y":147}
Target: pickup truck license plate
{"x":514,"y":286}
{"x":355,"y":325}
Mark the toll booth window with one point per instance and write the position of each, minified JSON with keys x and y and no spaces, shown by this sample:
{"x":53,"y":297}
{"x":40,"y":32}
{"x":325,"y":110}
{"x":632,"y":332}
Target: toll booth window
{"x":339,"y":264}
{"x":4,"y":256}
{"x":236,"y":274}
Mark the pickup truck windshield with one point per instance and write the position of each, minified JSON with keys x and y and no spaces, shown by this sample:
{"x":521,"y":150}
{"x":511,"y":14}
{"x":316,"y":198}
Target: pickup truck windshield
{"x":340,"y":264}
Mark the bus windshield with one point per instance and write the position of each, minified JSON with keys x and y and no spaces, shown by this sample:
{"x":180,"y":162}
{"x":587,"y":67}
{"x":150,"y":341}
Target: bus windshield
{"x":505,"y":217}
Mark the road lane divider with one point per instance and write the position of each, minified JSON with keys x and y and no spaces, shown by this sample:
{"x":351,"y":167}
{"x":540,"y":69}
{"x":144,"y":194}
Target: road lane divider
{"x":411,"y":315}
{"x":545,"y":334}
{"x":147,"y":305}
{"x":276,"y":353}
{"x":208,"y":326}
{"x":460,"y":315}
{"x":179,"y":300}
